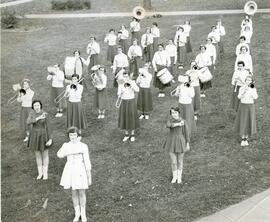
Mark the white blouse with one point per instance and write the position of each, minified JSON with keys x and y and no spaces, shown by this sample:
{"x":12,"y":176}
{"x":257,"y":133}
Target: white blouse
{"x":120,"y":60}
{"x":155,"y":32}
{"x":203,"y":60}
{"x":194,"y":77}
{"x":215,"y":36}
{"x":238,"y":47}
{"x":211,"y":50}
{"x":75,"y":153}
{"x":74,"y":95}
{"x":180,"y":39}
{"x":93,"y":48}
{"x":144,"y":81}
{"x":135,"y":26}
{"x":127,"y":92}
{"x":147,"y":39}
{"x":239,"y":77}
{"x":134,"y":50}
{"x":124,"y":34}
{"x":102,"y":83}
{"x":171,"y":51}
{"x":57,"y":79}
{"x":246,"y":58}
{"x":185,"y":94}
{"x":247,"y":34}
{"x":247,"y":95}
{"x":111,"y":39}
{"x":221,"y":30}
{"x":187,"y":29}
{"x":26,"y":99}
{"x":161,"y":58}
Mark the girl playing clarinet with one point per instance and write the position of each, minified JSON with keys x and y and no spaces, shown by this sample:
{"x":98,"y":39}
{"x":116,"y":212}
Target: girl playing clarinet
{"x":128,"y":116}
{"x":93,"y":50}
{"x":77,"y":172}
{"x":75,"y":114}
{"x":177,"y":143}
{"x":25,"y":98}
{"x":40,"y":139}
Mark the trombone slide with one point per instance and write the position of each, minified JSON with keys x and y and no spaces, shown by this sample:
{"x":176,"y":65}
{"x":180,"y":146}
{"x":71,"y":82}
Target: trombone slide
{"x":118,"y":102}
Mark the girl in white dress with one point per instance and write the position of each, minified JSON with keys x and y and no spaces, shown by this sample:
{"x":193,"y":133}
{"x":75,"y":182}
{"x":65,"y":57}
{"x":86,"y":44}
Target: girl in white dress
{"x":77,"y":171}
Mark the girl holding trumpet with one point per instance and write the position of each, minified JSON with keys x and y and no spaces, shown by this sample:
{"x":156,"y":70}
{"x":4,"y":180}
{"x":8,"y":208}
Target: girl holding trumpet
{"x":99,"y":80}
{"x":128,"y":116}
{"x":246,"y":116}
{"x":40,"y":139}
{"x":75,"y":114}
{"x":144,"y":103}
{"x":177,"y":143}
{"x":25,"y":97}
{"x":57,"y":77}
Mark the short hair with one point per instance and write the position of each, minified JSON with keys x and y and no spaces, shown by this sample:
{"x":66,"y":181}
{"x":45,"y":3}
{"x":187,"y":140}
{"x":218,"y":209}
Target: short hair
{"x":36,"y":101}
{"x":161,"y":45}
{"x":241,"y":62}
{"x":211,"y":39}
{"x":91,"y":36}
{"x":202,"y":46}
{"x":26,"y":80}
{"x":73,"y":129}
{"x":213,"y":26}
{"x":177,"y":109}
{"x":75,"y":75}
{"x":111,"y":30}
{"x":135,"y":40}
{"x":154,"y":23}
{"x":242,"y":37}
{"x":180,"y":27}
{"x":120,"y":47}
{"x":76,"y":51}
{"x":243,"y":47}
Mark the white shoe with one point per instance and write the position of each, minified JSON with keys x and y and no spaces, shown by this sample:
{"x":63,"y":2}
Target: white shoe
{"x":102,"y":116}
{"x":163,"y":95}
{"x":45,"y":172}
{"x":83,"y":214}
{"x":243,"y":143}
{"x":174,"y":179}
{"x":39,"y":173}
{"x":160,"y":95}
{"x":146,"y":116}
{"x":60,"y":114}
{"x":141,"y":117}
{"x":246,"y":143}
{"x":77,"y":214}
{"x":125,"y":138}
{"x":99,"y":117}
{"x":203,"y":95}
{"x":57,"y":115}
{"x":26,"y":139}
{"x":195,"y":118}
{"x":179,"y":176}
{"x":132,"y":138}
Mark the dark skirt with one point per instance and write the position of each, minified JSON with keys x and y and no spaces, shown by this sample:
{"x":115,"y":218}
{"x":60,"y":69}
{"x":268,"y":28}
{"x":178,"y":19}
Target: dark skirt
{"x":156,"y":82}
{"x":134,"y":66}
{"x":100,"y":99}
{"x":187,"y":113}
{"x":55,"y":92}
{"x":128,"y":115}
{"x":124,"y":44}
{"x":217,"y":52}
{"x":221,"y":46}
{"x":111,"y":52}
{"x":188,"y":45}
{"x":93,"y":61}
{"x":175,"y":142}
{"x":234,"y":100}
{"x":181,"y":55}
{"x":148,"y":53}
{"x":115,"y":83}
{"x":23,"y":118}
{"x":172,"y":68}
{"x":144,"y":102}
{"x":155,"y":44}
{"x":135,"y":35}
{"x":75,"y":115}
{"x":246,"y":120}
{"x":38,"y":139}
{"x":205,"y":85}
{"x":196,"y":100}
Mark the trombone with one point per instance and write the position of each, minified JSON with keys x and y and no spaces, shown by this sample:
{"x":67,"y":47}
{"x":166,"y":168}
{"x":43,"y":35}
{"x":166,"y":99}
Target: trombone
{"x":18,"y":91}
{"x":176,"y":91}
{"x":118,"y":102}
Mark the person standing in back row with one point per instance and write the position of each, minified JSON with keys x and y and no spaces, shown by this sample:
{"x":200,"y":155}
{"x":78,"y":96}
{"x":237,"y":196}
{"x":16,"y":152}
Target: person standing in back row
{"x":93,"y":50}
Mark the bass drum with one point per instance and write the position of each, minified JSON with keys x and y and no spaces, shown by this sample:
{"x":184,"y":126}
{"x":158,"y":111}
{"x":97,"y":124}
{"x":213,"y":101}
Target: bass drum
{"x":164,"y":76}
{"x":73,"y":65}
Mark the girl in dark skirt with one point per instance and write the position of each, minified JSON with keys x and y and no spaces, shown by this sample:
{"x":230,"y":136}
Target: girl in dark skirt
{"x":100,"y":97}
{"x":25,"y":98}
{"x":238,"y":80}
{"x":40,"y":139}
{"x":222,"y":32}
{"x":135,"y":28}
{"x":180,"y":40}
{"x":144,"y":103}
{"x":187,"y":29}
{"x":172,"y":52}
{"x":93,"y":50}
{"x":246,"y":116}
{"x":75,"y":114}
{"x":156,"y":34}
{"x":135,"y":58}
{"x":177,"y":143}
{"x":147,"y":45}
{"x":128,"y":116}
{"x":111,"y":39}
{"x":123,"y":36}
{"x":215,"y":36}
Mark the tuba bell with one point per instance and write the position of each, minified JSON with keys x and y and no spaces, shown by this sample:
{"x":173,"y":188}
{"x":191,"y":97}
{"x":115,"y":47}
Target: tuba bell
{"x":138,"y":12}
{"x":250,"y":8}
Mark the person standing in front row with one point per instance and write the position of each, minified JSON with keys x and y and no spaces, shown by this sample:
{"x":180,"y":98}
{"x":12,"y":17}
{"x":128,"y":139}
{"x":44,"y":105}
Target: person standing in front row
{"x":135,"y":28}
{"x":93,"y":50}
{"x":111,"y":39}
{"x":177,"y":143}
{"x":128,"y":115}
{"x":77,"y":171}
{"x":135,"y":58}
{"x":246,"y":116}
{"x":156,"y":35}
{"x":180,"y":40}
{"x":160,"y":61}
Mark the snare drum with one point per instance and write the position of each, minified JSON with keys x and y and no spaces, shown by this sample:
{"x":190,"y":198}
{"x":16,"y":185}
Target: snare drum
{"x":73,"y":65}
{"x":205,"y":75}
{"x":165,"y":76}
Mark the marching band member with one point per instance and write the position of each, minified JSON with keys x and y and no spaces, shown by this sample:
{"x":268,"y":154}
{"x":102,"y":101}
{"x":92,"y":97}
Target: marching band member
{"x":187,"y":29}
{"x":193,"y":74}
{"x":245,"y":57}
{"x":57,"y":77}
{"x":128,"y":116}
{"x":211,"y":50}
{"x":100,"y":98}
{"x":246,"y":116}
{"x":147,"y":45}
{"x":120,"y":61}
{"x":247,"y":32}
{"x":203,"y":60}
{"x":75,"y":114}
{"x":135,"y":58}
{"x":215,"y":36}
{"x":186,"y":93}
{"x":222,"y":33}
{"x":160,"y":60}
{"x":246,"y":22}
{"x":25,"y":98}
{"x":77,"y":171}
{"x":238,"y":80}
{"x":93,"y":50}
{"x":177,"y":143}
{"x":242,"y":40}
{"x":39,"y":139}
{"x":180,"y":40}
{"x":172,"y":52}
{"x":111,"y":39}
{"x":123,"y":36}
{"x":156,"y":34}
{"x":144,"y":102}
{"x":82,"y":61}
{"x":135,"y":29}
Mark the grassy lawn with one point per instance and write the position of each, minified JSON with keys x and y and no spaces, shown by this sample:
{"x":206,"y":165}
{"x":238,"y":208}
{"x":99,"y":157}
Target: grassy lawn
{"x":217,"y":171}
